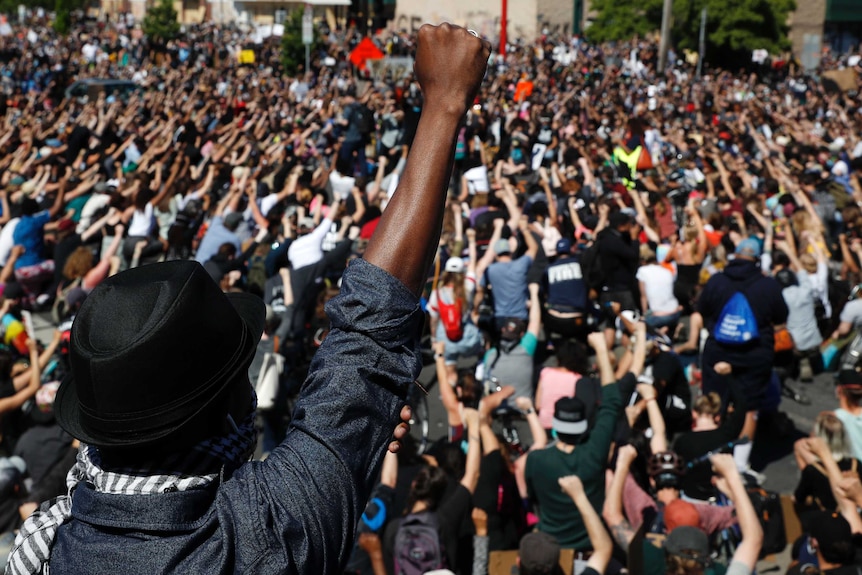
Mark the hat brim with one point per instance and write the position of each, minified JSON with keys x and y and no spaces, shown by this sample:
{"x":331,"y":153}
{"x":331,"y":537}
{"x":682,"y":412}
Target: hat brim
{"x":67,"y":408}
{"x":570,"y":427}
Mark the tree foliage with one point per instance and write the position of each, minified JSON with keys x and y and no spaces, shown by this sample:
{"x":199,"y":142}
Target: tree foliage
{"x":623,"y":19}
{"x":160,"y":22}
{"x":733,"y":26}
{"x":62,"y":17}
{"x":292,"y":48}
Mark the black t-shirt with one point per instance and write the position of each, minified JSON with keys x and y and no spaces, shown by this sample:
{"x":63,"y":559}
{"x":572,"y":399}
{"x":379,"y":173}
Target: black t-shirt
{"x":814,"y":493}
{"x":674,"y":393}
{"x":76,"y":142}
{"x":497,"y":494}
{"x":696,"y":482}
{"x":41,"y":447}
{"x":620,"y":256}
{"x":62,"y":251}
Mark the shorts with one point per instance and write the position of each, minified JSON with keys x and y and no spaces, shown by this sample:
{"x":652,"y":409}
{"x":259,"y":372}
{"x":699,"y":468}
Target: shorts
{"x":578,"y":327}
{"x":658,"y":321}
{"x":35,"y":279}
{"x":469,"y":345}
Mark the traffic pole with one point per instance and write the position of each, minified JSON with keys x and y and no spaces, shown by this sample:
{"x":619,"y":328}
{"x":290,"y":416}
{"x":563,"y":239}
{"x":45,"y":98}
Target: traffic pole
{"x":504,"y":18}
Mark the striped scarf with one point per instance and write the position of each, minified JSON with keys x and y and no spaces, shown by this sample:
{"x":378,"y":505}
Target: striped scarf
{"x":187,"y":470}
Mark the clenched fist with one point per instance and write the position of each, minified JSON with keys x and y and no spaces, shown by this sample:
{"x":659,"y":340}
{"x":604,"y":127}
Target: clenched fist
{"x":450,"y":65}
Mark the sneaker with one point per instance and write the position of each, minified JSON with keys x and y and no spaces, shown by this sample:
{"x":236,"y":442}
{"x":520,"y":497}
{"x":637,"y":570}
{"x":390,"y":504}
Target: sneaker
{"x":805,"y":372}
{"x":755,"y":476}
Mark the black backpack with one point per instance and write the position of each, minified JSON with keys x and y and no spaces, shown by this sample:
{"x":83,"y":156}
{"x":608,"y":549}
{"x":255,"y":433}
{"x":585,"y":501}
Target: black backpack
{"x":767,"y":505}
{"x":592,"y":268}
{"x":418,"y":548}
{"x":364,"y":119}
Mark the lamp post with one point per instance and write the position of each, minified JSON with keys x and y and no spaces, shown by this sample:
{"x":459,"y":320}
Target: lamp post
{"x":504,"y":17}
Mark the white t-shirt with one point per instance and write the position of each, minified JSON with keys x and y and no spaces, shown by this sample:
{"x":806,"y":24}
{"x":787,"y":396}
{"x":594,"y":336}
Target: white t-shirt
{"x":447,"y":295}
{"x":7,"y":242}
{"x":141,"y":224}
{"x":658,"y":285}
{"x":308,"y":249}
{"x":94,"y":203}
{"x":267,"y":203}
{"x":477,"y":180}
{"x":341,"y":185}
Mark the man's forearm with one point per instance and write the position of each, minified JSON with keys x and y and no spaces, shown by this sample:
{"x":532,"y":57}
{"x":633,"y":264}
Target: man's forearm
{"x":449,"y":66}
{"x":402,"y":250}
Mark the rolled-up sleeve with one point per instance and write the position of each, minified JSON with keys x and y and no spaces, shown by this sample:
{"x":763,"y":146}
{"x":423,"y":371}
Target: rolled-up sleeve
{"x":314,"y":486}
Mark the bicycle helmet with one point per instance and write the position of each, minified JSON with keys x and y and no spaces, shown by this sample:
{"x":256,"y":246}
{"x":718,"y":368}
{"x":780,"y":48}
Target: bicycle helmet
{"x":665,"y":468}
{"x":665,"y":462}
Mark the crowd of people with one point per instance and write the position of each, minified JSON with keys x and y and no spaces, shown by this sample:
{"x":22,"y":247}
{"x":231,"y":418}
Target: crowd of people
{"x":633,"y":262}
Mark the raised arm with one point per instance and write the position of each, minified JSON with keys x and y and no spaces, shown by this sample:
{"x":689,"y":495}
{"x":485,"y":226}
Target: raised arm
{"x":529,"y":239}
{"x":16,"y":400}
{"x":352,"y":404}
{"x":449,"y":66}
{"x":601,"y":542}
{"x":474,"y":450}
{"x":447,"y":392}
{"x":658,"y":442}
{"x":613,"y":509}
{"x":731,"y":483}
{"x":603,"y":359}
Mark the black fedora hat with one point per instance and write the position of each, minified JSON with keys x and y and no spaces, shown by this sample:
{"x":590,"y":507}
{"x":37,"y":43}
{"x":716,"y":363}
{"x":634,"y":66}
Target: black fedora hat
{"x":151,"y":350}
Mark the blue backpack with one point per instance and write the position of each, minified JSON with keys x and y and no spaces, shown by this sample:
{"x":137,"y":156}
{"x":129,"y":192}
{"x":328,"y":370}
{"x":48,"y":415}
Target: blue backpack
{"x":736,"y":324}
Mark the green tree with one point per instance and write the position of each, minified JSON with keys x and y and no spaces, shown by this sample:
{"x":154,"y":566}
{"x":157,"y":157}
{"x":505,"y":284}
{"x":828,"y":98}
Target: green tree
{"x":622,"y":19}
{"x":160,"y":22}
{"x":734,"y":27}
{"x":292,"y":48}
{"x":62,"y":17}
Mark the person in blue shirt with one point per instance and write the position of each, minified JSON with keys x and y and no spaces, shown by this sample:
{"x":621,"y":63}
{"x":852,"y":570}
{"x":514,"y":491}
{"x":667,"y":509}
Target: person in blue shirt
{"x":32,"y":270}
{"x":566,"y":292}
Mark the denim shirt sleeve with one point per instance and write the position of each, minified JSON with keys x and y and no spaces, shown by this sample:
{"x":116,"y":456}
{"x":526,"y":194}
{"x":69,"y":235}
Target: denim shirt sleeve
{"x":313,"y":487}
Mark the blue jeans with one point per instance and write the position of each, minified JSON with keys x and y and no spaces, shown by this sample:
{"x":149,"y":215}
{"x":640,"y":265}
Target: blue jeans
{"x":658,"y":321}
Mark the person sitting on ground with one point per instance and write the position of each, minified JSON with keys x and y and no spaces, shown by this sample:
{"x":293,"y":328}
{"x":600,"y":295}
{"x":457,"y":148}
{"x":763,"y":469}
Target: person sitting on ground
{"x":577,"y":452}
{"x":599,"y":539}
{"x":710,"y":431}
{"x":172,"y":490}
{"x":558,"y":382}
{"x":686,"y":549}
{"x":506,"y":276}
{"x":646,"y":517}
{"x":510,"y":362}
{"x":450,"y":307}
{"x":813,"y":492}
{"x":448,"y":509}
{"x":848,"y":389}
{"x":658,"y":303}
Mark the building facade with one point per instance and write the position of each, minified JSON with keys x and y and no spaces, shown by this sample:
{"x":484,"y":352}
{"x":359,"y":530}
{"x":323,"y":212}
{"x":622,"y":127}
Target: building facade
{"x":527,"y":18}
{"x":820,"y":24}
